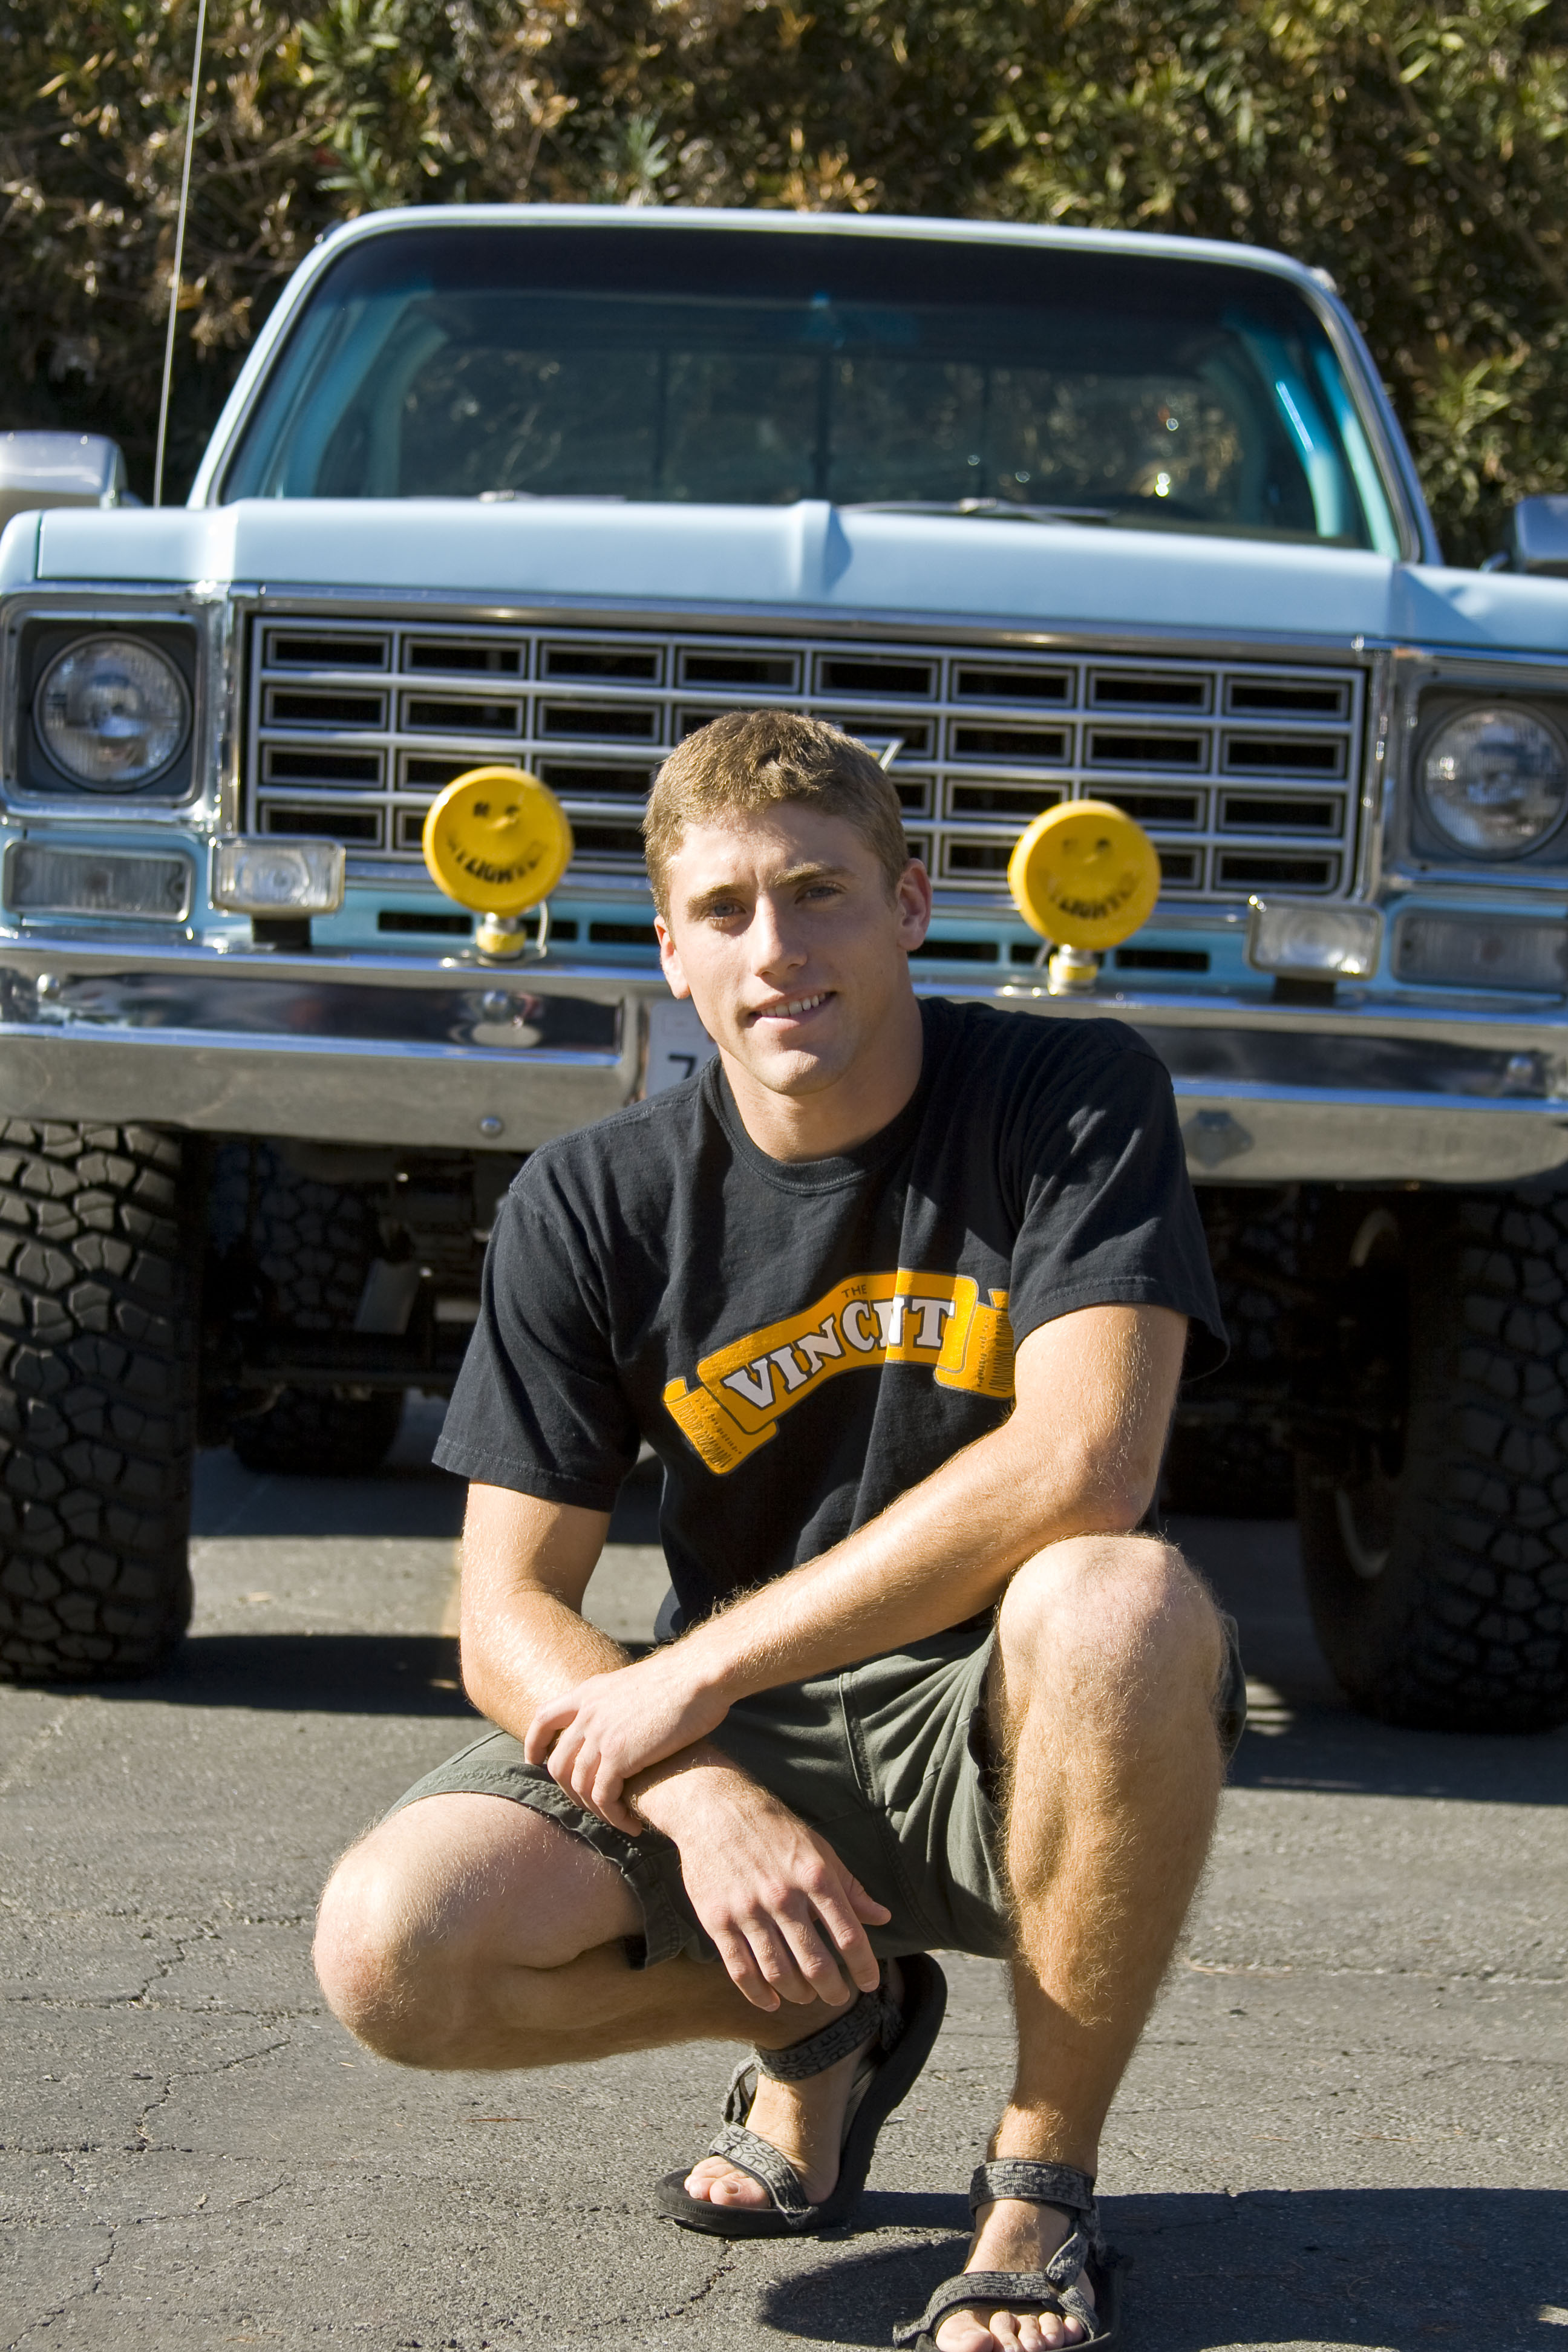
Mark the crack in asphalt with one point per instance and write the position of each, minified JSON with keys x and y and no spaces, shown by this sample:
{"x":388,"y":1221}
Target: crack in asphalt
{"x":203,"y":2073}
{"x":698,"y":2294}
{"x":114,"y":2231}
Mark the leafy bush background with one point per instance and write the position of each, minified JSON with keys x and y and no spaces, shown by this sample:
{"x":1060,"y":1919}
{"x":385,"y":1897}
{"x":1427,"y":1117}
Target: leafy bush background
{"x":1418,"y":153}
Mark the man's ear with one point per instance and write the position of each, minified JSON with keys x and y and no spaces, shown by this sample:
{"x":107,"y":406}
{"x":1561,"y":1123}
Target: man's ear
{"x":670,"y":959}
{"x":913,"y":900}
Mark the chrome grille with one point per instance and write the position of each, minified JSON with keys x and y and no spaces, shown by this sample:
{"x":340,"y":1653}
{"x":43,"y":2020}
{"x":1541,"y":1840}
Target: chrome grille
{"x":1245,"y":773}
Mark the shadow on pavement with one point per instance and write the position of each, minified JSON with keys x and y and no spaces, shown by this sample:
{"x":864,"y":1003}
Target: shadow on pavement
{"x":304,"y":1674}
{"x":227,"y":1500}
{"x":1384,"y":2267}
{"x":1348,"y":1755}
{"x":410,"y":1496}
{"x":1303,"y":1735}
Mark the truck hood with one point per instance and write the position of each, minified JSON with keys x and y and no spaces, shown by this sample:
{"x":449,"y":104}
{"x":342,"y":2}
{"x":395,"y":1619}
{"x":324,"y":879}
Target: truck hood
{"x":822,"y":559}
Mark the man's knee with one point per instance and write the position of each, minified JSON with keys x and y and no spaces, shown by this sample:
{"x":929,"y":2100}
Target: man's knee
{"x":1108,"y":1616}
{"x":372,"y":1957}
{"x":454,"y":1904}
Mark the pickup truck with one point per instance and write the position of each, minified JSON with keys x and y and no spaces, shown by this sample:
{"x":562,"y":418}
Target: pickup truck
{"x":1040,"y":515}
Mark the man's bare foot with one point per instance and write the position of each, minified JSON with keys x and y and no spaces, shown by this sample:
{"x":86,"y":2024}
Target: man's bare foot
{"x":1012,"y":2236}
{"x":804,"y":2121}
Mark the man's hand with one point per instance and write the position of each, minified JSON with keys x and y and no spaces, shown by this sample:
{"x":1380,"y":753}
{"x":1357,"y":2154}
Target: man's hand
{"x":596,"y":1737}
{"x":789,"y":1920}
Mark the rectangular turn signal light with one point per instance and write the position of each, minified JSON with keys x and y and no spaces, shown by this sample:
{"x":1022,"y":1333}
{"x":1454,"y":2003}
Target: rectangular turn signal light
{"x":1482,"y":951}
{"x":43,"y":880}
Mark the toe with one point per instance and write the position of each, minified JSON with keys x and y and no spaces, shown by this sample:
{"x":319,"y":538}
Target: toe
{"x":981,"y":2329}
{"x":738,"y":2188}
{"x":964,"y":2331}
{"x":722,"y":2185}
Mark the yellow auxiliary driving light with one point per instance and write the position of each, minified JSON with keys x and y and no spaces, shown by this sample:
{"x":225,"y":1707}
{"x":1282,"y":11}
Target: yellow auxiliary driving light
{"x":498,"y":840}
{"x":1084,"y":875}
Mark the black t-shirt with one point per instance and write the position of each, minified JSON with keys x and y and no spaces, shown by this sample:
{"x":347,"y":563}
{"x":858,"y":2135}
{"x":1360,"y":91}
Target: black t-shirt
{"x":802,"y":1340}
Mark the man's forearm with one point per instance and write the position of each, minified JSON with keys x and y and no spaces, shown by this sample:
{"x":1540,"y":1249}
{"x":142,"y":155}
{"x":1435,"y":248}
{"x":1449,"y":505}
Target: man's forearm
{"x":512,"y":1662}
{"x":939,"y":1554}
{"x":513,"y":1657}
{"x":946,"y":1549}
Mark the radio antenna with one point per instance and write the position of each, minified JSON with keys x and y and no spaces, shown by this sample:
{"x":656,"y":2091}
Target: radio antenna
{"x":179,"y":259}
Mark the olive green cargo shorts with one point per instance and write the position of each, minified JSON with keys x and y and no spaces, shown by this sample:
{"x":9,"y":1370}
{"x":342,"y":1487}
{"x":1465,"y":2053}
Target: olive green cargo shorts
{"x":890,"y":1762}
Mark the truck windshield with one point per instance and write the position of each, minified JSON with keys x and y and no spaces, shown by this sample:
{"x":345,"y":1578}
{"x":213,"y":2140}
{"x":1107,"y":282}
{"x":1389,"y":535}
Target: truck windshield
{"x":487,"y":361}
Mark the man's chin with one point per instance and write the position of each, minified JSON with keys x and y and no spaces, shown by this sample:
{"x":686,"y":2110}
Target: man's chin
{"x":791,"y":1070}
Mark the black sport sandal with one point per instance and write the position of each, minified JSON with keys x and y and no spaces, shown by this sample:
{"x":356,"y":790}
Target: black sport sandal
{"x":1082,"y":2254}
{"x":904,"y":2032}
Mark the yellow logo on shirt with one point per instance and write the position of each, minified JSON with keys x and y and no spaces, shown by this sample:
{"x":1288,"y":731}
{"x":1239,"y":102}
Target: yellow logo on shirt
{"x":935,"y":1319}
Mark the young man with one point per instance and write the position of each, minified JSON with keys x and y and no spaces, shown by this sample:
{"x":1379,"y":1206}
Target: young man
{"x":898,"y":1293}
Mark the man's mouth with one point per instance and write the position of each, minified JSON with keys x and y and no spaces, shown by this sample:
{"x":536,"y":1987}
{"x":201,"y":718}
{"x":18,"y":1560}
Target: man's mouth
{"x":793,"y":1008}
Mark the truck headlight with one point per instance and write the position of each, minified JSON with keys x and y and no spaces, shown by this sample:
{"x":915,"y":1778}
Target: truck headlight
{"x":1495,"y":783}
{"x":111,"y":712}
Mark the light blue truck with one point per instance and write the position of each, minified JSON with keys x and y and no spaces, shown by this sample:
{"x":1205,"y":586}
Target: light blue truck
{"x":1036,"y":514}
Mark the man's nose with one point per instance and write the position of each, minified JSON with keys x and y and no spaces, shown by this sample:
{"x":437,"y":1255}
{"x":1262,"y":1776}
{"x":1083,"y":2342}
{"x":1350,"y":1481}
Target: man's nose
{"x":775,"y":943}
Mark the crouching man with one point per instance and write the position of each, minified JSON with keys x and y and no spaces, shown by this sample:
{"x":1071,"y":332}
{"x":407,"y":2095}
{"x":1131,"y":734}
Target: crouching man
{"x":898,"y":1293}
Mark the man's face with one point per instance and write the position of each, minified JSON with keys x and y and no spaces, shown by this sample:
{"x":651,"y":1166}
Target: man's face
{"x":783,"y":932}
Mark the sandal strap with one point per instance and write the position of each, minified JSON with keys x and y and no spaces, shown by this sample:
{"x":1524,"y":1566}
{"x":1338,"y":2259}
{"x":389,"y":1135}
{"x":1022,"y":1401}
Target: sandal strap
{"x":1034,"y":2183}
{"x":1061,"y":2185}
{"x":1004,"y":2290}
{"x":873,"y":2013}
{"x":749,"y":2153}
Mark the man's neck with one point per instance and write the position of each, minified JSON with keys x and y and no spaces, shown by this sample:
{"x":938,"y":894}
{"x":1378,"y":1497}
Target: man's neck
{"x":829,"y":1122}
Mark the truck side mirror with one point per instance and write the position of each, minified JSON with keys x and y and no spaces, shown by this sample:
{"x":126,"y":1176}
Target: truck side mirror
{"x":1538,"y":537}
{"x":61,"y":469}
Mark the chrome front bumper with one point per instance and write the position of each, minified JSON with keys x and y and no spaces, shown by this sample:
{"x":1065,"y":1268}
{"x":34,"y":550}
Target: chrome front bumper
{"x":426,"y":1052}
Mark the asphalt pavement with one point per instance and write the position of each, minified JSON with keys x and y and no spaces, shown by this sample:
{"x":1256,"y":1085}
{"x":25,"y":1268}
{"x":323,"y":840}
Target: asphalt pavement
{"x":1346,"y":2126}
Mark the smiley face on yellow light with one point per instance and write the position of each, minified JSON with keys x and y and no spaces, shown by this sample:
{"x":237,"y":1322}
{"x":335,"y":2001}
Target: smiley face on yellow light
{"x":1085,"y":875}
{"x":497,"y":840}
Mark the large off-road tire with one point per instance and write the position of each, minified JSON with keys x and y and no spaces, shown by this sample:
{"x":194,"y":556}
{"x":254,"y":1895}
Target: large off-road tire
{"x":98,"y":1346}
{"x":1240,"y":1468}
{"x":310,"y":1245}
{"x":1436,"y":1553}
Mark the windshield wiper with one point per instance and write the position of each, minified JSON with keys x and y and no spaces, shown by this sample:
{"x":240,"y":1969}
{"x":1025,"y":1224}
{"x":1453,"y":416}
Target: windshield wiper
{"x":988,"y":510}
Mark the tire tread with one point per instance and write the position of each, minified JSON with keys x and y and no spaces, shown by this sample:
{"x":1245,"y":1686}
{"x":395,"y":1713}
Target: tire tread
{"x":1467,"y":1628}
{"x":98,"y":1380}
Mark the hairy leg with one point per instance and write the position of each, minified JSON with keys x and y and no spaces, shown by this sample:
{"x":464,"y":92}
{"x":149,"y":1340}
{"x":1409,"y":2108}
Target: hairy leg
{"x":469,"y":1931}
{"x":1109,"y":1655}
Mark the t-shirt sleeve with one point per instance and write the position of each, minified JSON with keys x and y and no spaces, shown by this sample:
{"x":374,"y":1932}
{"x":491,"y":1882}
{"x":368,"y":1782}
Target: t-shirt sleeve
{"x":1108,"y":1213}
{"x":538,"y":1406}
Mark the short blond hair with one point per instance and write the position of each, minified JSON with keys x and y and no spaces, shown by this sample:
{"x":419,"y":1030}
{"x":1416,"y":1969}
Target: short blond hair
{"x":752,"y":759}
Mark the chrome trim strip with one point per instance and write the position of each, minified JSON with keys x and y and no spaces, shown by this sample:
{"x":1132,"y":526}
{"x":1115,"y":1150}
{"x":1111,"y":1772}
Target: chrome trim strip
{"x":483,"y":610}
{"x":1282,"y":1135}
{"x":1438,"y":1017}
{"x":329,"y":1091}
{"x":1237,"y":1132}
